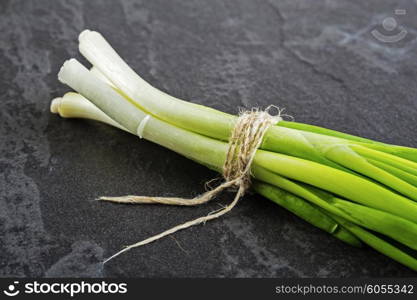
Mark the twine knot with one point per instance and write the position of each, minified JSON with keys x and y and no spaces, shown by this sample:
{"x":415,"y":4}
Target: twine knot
{"x":246,"y":137}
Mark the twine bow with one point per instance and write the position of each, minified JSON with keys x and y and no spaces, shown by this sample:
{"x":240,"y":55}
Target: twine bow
{"x":245,"y":139}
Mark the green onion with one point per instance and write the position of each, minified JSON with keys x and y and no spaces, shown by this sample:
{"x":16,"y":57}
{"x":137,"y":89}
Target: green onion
{"x":358,"y":190}
{"x":73,"y":105}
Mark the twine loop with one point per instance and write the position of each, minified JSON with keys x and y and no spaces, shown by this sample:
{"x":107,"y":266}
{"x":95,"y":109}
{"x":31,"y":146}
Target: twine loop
{"x":246,"y":137}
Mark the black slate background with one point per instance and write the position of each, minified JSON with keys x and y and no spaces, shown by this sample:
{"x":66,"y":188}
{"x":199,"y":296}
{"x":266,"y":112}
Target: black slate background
{"x":318,"y":59}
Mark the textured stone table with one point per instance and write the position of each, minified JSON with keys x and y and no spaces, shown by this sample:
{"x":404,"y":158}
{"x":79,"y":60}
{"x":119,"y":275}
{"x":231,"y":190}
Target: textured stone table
{"x":318,"y":59}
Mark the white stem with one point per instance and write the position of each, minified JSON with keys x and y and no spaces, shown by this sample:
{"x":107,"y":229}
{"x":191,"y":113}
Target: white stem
{"x":101,"y":94}
{"x":73,"y":105}
{"x":170,"y":109}
{"x":199,"y":148}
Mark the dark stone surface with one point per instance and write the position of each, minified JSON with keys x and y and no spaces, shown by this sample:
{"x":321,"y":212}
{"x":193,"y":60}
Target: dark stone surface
{"x":316,"y":58}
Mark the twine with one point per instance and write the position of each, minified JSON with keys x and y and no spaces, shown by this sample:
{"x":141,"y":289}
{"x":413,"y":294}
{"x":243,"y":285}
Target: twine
{"x":246,"y":138}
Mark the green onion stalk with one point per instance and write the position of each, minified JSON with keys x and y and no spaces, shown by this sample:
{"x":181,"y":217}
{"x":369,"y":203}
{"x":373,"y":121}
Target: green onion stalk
{"x":358,"y":190}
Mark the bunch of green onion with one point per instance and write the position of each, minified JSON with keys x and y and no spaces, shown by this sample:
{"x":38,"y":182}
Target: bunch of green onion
{"x":358,"y":190}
